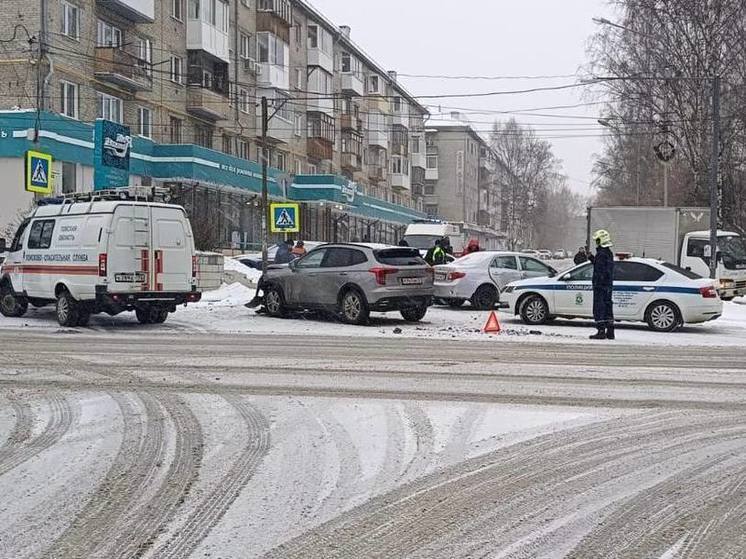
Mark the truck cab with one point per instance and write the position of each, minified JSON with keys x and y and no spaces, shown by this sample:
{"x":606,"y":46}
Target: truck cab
{"x":731,"y":263}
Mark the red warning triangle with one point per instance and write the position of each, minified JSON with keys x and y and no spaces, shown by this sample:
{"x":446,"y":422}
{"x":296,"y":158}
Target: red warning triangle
{"x":493,"y":324}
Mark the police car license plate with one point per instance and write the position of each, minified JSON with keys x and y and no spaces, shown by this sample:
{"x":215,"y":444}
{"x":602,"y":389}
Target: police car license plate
{"x":411,"y":281}
{"x":130,"y":277}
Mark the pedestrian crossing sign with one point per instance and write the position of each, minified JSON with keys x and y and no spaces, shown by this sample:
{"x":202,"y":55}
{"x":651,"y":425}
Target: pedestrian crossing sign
{"x":285,"y":218}
{"x":38,"y":172}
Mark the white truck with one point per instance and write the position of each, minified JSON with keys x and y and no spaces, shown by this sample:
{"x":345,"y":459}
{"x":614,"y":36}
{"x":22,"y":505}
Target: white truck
{"x":104,"y":252}
{"x":679,"y":236}
{"x":423,"y":234}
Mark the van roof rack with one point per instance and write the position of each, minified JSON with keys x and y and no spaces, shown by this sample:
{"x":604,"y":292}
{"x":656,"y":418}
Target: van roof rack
{"x":136,"y":193}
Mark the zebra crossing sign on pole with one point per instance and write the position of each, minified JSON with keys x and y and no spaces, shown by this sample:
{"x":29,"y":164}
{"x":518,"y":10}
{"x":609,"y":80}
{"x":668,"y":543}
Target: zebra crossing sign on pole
{"x":284,"y":218}
{"x":38,"y":172}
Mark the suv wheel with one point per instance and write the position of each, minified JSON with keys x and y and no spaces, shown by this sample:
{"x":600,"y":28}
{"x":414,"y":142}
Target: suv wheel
{"x":485,"y":298}
{"x":68,"y":310}
{"x":663,"y":316}
{"x":534,"y":310}
{"x":274,"y":302}
{"x":10,"y":304}
{"x":414,"y":314}
{"x":354,"y":307}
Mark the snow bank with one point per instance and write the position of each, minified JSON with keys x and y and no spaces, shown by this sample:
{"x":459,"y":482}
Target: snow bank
{"x":233,"y":265}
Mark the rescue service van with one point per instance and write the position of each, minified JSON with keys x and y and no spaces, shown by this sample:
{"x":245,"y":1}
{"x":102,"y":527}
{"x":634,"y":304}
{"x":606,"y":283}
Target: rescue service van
{"x":109,"y":253}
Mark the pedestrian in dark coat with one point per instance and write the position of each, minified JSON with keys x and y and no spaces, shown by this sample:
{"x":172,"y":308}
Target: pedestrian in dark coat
{"x":603,"y":286}
{"x":581,"y":256}
{"x":283,"y":254}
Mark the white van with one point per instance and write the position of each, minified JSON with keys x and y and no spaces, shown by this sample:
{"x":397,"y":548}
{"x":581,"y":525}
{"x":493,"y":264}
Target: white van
{"x":423,"y":234}
{"x":101,"y":255}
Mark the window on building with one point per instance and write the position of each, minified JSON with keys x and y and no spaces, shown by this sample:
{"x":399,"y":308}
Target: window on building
{"x":244,"y":151}
{"x":271,"y":49}
{"x":399,"y":165}
{"x":243,"y":101}
{"x":281,"y":161}
{"x":245,"y":45}
{"x":298,"y":34}
{"x":69,"y":178}
{"x":313,"y":169}
{"x":313,"y":36}
{"x":374,"y":84}
{"x":70,"y":20}
{"x":431,"y":162}
{"x":283,"y":107}
{"x":319,"y":38}
{"x":397,"y":104}
{"x":145,"y":54}
{"x":429,"y":189}
{"x":108,"y":35}
{"x":145,"y":122}
{"x":176,"y":127}
{"x":299,"y":78}
{"x":227,"y":144}
{"x":109,"y":107}
{"x":69,"y":99}
{"x":320,"y":81}
{"x":415,"y":144}
{"x":298,"y":124}
{"x":194,"y":9}
{"x":177,"y":69}
{"x":203,"y":136}
{"x":431,"y":210}
{"x":350,"y":64}
{"x":298,"y":167}
{"x":177,"y":9}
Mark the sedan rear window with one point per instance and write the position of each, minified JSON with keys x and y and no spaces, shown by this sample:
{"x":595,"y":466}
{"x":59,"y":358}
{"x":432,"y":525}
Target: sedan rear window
{"x":399,"y":257}
{"x":686,"y":273}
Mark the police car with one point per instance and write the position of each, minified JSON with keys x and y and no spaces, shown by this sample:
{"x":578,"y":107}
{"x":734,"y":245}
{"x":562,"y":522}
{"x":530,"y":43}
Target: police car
{"x":645,"y":290}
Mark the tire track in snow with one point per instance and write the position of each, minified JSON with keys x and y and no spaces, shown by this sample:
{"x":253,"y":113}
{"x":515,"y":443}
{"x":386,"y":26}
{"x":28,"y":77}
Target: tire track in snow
{"x":419,"y":422}
{"x":26,"y":446}
{"x":213,"y":504}
{"x":507,"y":487}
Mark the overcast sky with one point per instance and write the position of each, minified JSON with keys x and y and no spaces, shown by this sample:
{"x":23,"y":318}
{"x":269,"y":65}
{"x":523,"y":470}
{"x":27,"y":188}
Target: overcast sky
{"x":488,"y":38}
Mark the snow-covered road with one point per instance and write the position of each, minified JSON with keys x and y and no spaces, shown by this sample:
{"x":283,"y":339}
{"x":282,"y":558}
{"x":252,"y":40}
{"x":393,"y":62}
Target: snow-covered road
{"x":130,"y":442}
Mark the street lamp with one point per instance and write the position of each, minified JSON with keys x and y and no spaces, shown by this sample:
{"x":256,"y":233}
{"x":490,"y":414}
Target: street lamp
{"x":715,"y":156}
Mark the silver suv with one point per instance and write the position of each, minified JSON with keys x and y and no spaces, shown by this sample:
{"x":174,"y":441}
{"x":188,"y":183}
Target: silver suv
{"x":352,"y":280}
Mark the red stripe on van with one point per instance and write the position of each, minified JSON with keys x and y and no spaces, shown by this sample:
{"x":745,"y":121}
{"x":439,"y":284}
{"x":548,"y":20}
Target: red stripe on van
{"x":158,"y":269}
{"x":52,"y":269}
{"x":145,"y":267}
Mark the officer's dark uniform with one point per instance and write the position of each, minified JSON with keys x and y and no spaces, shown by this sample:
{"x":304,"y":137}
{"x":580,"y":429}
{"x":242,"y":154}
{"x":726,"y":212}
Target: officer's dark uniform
{"x":603,"y":285}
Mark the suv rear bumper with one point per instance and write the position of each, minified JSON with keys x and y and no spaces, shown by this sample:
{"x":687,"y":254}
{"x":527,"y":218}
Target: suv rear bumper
{"x":396,"y":303}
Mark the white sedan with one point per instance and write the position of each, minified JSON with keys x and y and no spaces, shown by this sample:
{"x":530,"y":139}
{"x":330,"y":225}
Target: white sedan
{"x":479,"y":277}
{"x":645,"y":290}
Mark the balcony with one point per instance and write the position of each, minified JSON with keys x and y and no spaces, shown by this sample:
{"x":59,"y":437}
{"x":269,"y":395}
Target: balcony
{"x":207,"y":103}
{"x":320,"y":102}
{"x":400,"y":119}
{"x":349,"y":121}
{"x":137,"y":11}
{"x":378,"y":138}
{"x":275,"y":16}
{"x":380,"y":104}
{"x":351,"y":162}
{"x":122,"y":69}
{"x":400,"y":181}
{"x":431,"y":174}
{"x":320,"y":149}
{"x":418,"y":176}
{"x":274,"y":76}
{"x":279,"y":129}
{"x":208,"y":38}
{"x":352,"y":84}
{"x":377,"y":173}
{"x":418,"y":160}
{"x":317,"y":57}
{"x":484,"y":218}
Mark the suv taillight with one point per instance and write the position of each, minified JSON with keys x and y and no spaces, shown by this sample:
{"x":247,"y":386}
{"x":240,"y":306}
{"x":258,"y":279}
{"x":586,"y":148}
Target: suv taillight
{"x":102,"y":260}
{"x":380,"y":272}
{"x":708,"y":292}
{"x":452,"y":276}
{"x":194,"y":266}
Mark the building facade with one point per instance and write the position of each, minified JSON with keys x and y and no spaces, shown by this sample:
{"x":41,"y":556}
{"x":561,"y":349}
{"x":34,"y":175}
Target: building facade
{"x":461,"y":183}
{"x":194,"y":73}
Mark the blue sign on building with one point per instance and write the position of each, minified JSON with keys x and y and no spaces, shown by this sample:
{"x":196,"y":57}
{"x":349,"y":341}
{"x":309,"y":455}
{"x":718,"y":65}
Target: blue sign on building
{"x":111,"y":157}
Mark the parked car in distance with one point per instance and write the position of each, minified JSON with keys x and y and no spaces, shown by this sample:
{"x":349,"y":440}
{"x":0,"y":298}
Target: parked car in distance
{"x":645,"y":290}
{"x":560,"y":254}
{"x":481,"y":276}
{"x":351,"y":280}
{"x":545,"y":254}
{"x":254,"y":259}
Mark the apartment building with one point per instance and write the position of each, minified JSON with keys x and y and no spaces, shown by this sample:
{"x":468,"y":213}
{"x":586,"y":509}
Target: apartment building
{"x":191,"y":74}
{"x":461,"y":184}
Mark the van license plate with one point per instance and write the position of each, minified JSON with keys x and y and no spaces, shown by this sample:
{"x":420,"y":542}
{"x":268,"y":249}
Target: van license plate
{"x":411,"y":281}
{"x":131,"y":277}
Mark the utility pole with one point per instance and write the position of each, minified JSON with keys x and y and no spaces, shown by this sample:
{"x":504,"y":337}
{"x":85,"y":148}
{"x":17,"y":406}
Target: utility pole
{"x":265,"y":190}
{"x":714,"y":175}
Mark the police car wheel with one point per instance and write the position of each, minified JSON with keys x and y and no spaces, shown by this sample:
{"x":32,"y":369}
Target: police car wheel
{"x":663,"y":316}
{"x":11,"y":305}
{"x":534,"y":310}
{"x":67,"y":310}
{"x":274,"y":302}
